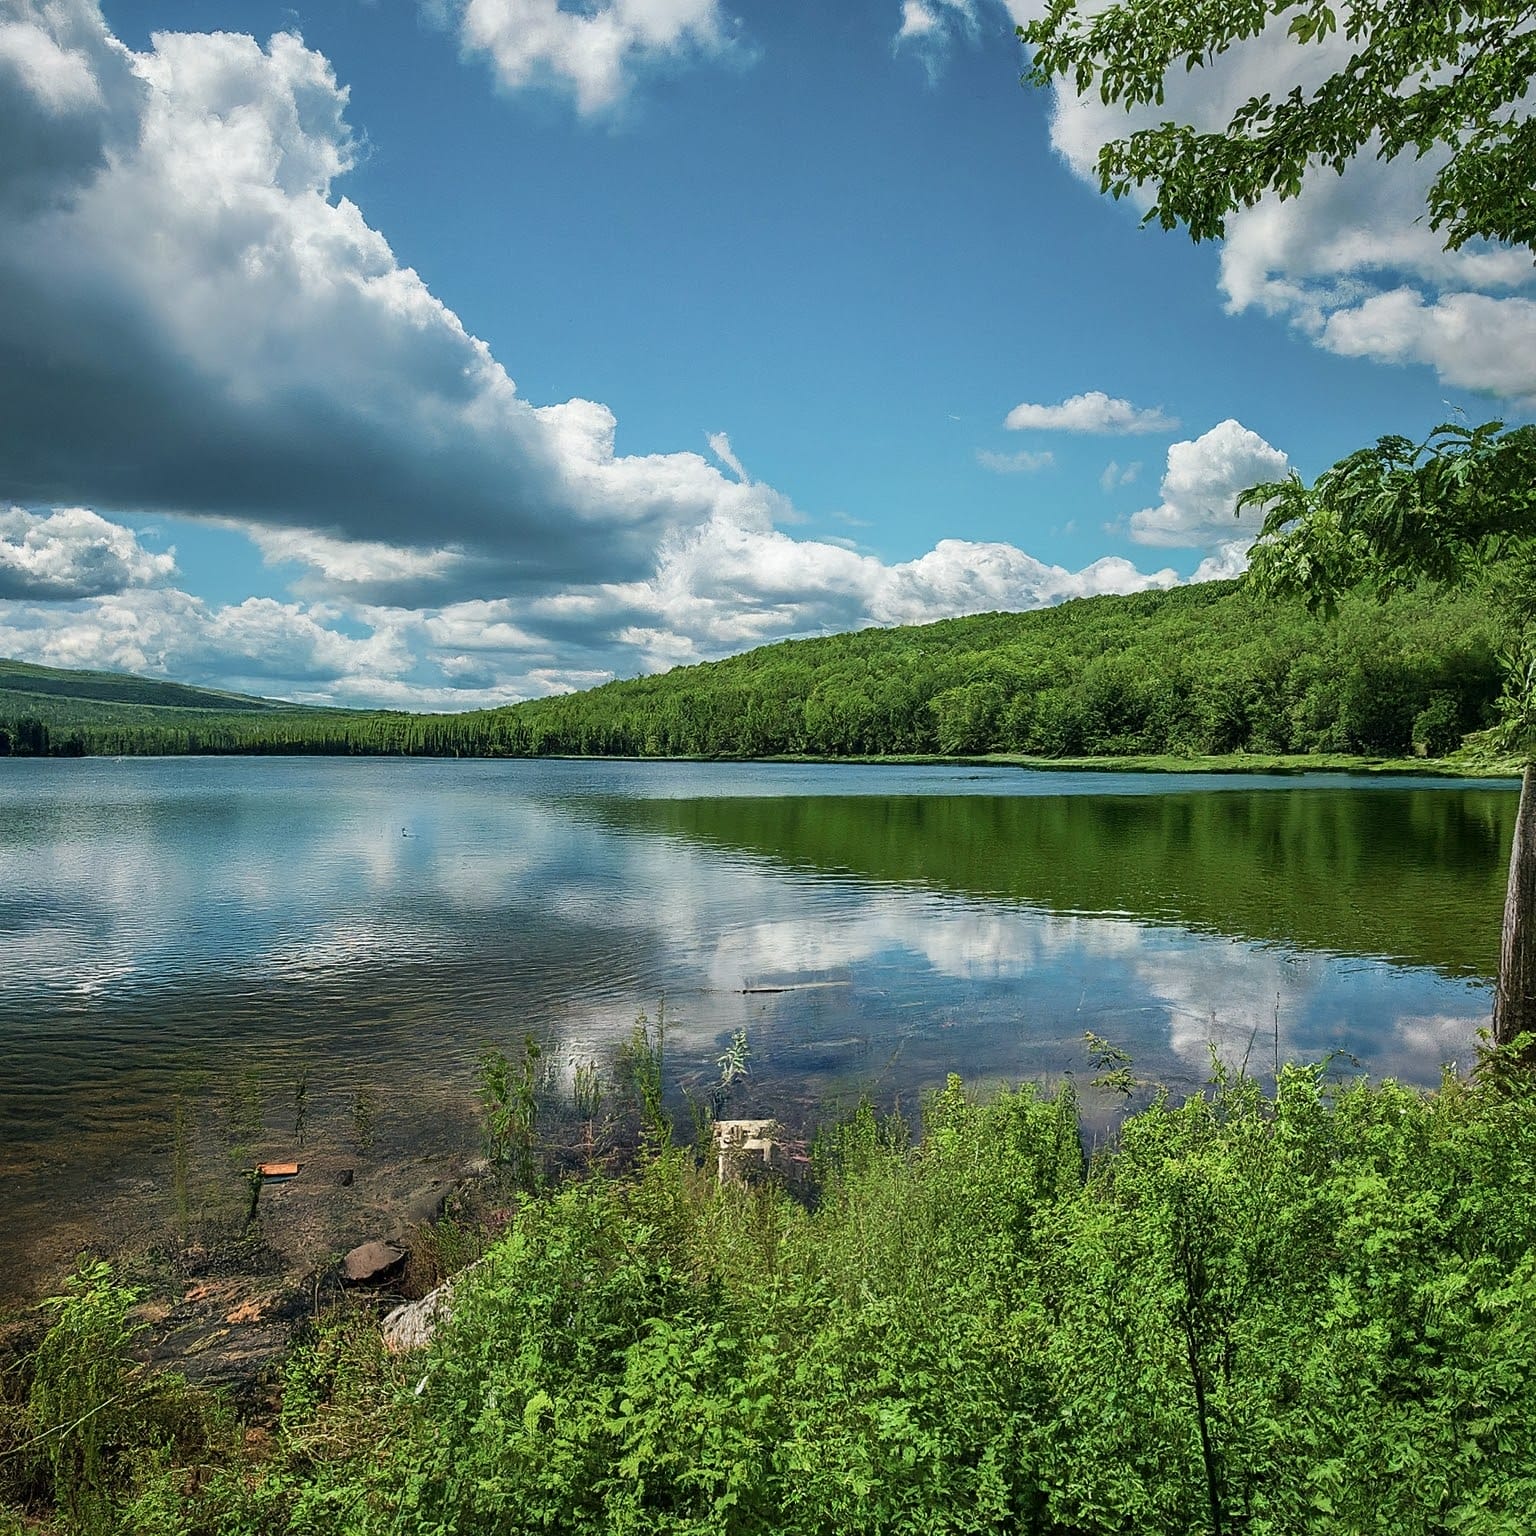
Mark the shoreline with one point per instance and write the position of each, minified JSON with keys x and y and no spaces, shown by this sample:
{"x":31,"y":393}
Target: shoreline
{"x":1232,"y":764}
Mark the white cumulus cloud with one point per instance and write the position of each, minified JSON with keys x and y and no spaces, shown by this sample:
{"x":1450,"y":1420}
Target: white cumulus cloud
{"x":1022,"y":463}
{"x":199,"y":325}
{"x":720,"y":446}
{"x":924,"y":21}
{"x":196,"y":323}
{"x":727,"y":586}
{"x":71,"y":552}
{"x":1114,"y":475}
{"x":169,"y":633}
{"x":1091,"y":412}
{"x":1200,"y":489}
{"x":592,"y":50}
{"x":1471,"y":340}
{"x":1351,"y":262}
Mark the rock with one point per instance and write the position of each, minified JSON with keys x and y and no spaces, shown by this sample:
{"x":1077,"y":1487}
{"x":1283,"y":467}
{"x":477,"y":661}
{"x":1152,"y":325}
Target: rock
{"x":412,"y":1325}
{"x":423,"y":1205}
{"x":738,"y":1140}
{"x":371,"y":1262}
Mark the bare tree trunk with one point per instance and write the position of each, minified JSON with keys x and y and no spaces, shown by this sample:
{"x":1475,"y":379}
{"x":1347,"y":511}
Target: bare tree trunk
{"x":1514,"y":1006}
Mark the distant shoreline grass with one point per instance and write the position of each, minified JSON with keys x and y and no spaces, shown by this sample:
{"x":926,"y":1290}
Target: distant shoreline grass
{"x":1225,"y":763}
{"x":1234,"y":764}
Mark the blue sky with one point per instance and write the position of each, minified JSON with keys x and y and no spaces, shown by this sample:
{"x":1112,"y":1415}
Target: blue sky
{"x":437,"y":355}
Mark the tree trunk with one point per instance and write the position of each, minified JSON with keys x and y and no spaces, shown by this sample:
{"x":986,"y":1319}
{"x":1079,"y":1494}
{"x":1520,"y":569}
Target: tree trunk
{"x":1514,"y":1006}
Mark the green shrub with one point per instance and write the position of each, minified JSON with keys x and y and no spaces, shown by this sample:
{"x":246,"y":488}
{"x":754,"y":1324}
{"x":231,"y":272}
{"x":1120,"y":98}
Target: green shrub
{"x":1309,"y":1311}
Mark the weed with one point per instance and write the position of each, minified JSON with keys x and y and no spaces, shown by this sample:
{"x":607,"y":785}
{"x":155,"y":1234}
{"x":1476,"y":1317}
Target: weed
{"x":245,"y":1111}
{"x":365,"y":1108}
{"x":642,"y":1063}
{"x":84,"y":1399}
{"x":301,"y":1106}
{"x":438,"y":1251}
{"x":1112,"y":1064}
{"x":181,"y":1162}
{"x":733,"y":1061}
{"x":705,"y":1110}
{"x":1311,"y":1310}
{"x":509,"y":1101}
{"x":588,"y":1094}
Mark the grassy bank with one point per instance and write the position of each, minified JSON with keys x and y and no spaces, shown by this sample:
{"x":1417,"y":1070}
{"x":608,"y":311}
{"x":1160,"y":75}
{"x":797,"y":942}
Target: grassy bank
{"x":1307,"y":1311}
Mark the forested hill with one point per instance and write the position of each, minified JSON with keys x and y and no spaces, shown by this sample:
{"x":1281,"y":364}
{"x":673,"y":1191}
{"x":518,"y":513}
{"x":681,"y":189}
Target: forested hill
{"x":57,"y":711}
{"x":20,"y":681}
{"x":1199,"y":669}
{"x":1196,"y":670}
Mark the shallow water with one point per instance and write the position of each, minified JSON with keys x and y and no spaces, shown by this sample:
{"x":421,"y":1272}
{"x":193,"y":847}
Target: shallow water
{"x":330,"y":943}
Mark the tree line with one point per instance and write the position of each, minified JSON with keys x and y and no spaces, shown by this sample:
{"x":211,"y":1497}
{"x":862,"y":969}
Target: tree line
{"x":1196,"y":670}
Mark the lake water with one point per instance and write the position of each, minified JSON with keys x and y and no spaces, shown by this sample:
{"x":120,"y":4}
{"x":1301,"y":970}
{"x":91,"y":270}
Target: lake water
{"x":263,"y":942}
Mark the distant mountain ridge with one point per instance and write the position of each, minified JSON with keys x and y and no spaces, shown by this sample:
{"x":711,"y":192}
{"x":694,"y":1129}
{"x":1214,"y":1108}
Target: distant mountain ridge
{"x":24,"y":678}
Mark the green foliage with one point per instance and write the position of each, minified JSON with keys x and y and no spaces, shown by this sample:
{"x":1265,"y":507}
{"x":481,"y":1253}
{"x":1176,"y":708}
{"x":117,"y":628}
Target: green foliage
{"x":1307,"y":1311}
{"x":509,"y":1103}
{"x":106,"y":1441}
{"x":1399,"y":513}
{"x":1437,"y":728}
{"x":85,"y":1390}
{"x":1196,"y":670}
{"x":1295,"y":1305}
{"x":734,"y":1060}
{"x":587,"y":1090}
{"x":669,"y":1356}
{"x":1457,"y":509}
{"x":642,"y":1064}
{"x":734,"y":1065}
{"x":848,"y":1148}
{"x":1112,"y":1064}
{"x":1418,"y":77}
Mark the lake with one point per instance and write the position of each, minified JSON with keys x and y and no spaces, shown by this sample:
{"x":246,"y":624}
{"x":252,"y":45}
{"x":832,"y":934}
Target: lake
{"x":282,"y":949}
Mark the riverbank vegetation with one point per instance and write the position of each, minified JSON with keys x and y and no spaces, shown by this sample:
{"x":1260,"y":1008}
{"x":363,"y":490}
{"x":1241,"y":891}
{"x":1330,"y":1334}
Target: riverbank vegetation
{"x":1312,"y":1310}
{"x":1195,"y":671}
